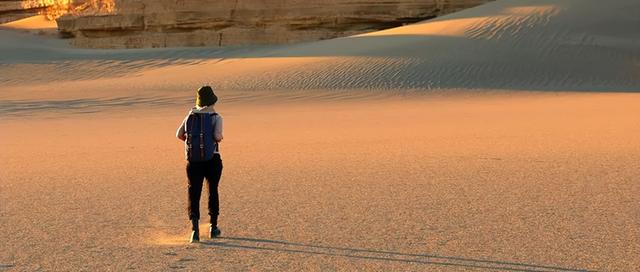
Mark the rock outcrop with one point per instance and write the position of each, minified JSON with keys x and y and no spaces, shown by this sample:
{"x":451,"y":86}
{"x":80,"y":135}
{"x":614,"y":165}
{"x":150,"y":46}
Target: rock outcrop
{"x":11,"y":10}
{"x":171,"y":23}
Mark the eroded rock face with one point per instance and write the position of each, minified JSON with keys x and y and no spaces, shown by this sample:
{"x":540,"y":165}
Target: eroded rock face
{"x":170,"y":23}
{"x":11,"y":10}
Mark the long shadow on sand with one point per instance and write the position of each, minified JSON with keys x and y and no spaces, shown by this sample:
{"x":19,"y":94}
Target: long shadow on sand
{"x":377,"y":255}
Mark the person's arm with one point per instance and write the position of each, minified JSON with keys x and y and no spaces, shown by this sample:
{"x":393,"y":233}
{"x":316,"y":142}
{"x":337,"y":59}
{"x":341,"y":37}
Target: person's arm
{"x":217,"y":130}
{"x":180,"y":134}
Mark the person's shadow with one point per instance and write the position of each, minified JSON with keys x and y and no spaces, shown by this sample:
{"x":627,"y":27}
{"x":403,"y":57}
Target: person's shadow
{"x":246,"y":243}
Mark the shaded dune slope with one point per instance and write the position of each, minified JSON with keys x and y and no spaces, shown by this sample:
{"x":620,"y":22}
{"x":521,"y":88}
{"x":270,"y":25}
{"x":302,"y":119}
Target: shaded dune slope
{"x":540,"y":45}
{"x":581,"y":45}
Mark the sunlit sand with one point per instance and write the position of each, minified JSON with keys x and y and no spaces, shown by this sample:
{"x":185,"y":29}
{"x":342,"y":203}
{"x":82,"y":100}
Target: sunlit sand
{"x":35,"y":22}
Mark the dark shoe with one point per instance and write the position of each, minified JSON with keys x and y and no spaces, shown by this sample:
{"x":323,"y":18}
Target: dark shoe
{"x":195,"y":234}
{"x":214,"y":232}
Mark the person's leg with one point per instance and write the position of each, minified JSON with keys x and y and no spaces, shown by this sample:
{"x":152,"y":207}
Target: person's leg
{"x":196,"y":176}
{"x":213,"y":174}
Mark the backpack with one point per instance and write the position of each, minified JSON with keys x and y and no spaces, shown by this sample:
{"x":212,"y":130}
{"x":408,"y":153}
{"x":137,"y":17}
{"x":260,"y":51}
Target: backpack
{"x":200,"y":144}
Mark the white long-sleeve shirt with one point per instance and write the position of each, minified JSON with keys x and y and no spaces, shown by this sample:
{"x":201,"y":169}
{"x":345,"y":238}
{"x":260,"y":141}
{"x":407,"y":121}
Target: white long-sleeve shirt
{"x":216,"y":122}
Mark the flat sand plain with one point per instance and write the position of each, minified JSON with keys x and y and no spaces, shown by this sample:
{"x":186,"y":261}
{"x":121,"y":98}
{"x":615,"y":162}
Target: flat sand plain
{"x":524,"y":182}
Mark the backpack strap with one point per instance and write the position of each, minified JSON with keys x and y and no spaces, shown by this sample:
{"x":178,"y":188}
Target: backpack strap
{"x":190,"y":134}
{"x":202,"y":137}
{"x":215,"y":121}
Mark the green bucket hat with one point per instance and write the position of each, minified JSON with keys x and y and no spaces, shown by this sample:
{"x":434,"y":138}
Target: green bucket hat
{"x":205,"y":97}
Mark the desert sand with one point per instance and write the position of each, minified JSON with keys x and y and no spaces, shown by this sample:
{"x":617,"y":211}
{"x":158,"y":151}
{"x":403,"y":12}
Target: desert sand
{"x":450,"y":145}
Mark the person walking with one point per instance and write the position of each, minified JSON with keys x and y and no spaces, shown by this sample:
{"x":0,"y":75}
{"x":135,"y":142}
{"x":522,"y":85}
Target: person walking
{"x":201,"y":130}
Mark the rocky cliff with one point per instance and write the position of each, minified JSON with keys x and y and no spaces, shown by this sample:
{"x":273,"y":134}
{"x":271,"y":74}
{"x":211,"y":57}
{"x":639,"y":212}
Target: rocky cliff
{"x":169,"y":23}
{"x":11,"y":10}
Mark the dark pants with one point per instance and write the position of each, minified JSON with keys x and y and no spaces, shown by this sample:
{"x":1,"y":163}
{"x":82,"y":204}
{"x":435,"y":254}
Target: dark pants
{"x":197,"y":172}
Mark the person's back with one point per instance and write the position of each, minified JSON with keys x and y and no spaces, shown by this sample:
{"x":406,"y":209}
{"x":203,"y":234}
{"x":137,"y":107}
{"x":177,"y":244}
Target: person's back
{"x":202,"y":132}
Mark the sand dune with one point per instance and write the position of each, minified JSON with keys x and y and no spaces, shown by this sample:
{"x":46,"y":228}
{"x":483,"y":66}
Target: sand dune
{"x":542,"y":45}
{"x":422,"y":148}
{"x":579,"y":45}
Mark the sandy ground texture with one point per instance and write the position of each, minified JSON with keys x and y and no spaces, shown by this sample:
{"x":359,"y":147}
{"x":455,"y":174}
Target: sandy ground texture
{"x":536,"y":182}
{"x":501,"y":138}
